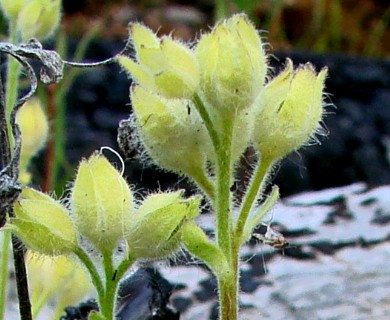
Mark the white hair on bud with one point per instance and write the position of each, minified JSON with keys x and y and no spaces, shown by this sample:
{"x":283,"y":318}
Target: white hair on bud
{"x":122,"y":170}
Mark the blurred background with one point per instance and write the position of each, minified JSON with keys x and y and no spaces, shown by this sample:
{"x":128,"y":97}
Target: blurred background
{"x":350,"y":37}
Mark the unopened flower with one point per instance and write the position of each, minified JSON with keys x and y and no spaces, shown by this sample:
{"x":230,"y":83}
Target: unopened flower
{"x":60,"y":278}
{"x":156,"y":228}
{"x":34,"y":128}
{"x":12,"y":8}
{"x":233,"y":66}
{"x":39,"y":18}
{"x":101,"y":203}
{"x":163,"y":65}
{"x":291,"y":109}
{"x":174,"y":136}
{"x":43,"y":224}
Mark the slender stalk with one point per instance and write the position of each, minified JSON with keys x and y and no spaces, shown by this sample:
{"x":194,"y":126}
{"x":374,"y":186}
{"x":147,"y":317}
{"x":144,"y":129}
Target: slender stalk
{"x":123,"y":267}
{"x":228,"y":297}
{"x":223,"y":201}
{"x":40,"y":301}
{"x":204,"y":183}
{"x":214,"y":136}
{"x":4,"y":271}
{"x":21,"y":278}
{"x":107,"y":304}
{"x":95,"y":277}
{"x":256,"y":186}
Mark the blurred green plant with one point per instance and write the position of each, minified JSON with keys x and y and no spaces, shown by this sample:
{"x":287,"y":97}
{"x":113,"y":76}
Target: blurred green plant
{"x":316,"y":25}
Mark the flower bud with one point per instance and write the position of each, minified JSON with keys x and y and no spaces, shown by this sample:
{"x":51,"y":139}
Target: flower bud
{"x":164,"y":66}
{"x":34,"y":128}
{"x":233,"y":65}
{"x":59,"y":277}
{"x":101,"y":202}
{"x":174,"y":136}
{"x":43,"y":224}
{"x":11,"y":8}
{"x":155,"y":231}
{"x":39,"y":19}
{"x":291,"y":109}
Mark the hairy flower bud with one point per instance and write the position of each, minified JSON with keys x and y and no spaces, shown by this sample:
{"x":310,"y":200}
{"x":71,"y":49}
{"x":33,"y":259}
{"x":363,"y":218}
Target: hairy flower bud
{"x":174,"y":136}
{"x":163,"y":65}
{"x":155,"y":230}
{"x":34,"y":128}
{"x":39,"y":18}
{"x":233,"y":65}
{"x":291,"y":109}
{"x":43,"y":224}
{"x":101,"y":202}
{"x":60,"y":277}
{"x":11,"y":8}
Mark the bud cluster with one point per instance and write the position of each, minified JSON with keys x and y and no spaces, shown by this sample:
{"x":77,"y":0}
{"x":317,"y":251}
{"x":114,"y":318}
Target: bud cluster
{"x":101,"y":209}
{"x":225,"y":73}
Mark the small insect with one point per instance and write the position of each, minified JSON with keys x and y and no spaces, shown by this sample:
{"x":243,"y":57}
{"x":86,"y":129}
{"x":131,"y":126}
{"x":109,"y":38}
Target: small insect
{"x":273,"y":238}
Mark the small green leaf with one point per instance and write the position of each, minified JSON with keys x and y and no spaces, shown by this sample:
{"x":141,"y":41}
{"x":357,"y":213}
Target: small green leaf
{"x":198,"y":244}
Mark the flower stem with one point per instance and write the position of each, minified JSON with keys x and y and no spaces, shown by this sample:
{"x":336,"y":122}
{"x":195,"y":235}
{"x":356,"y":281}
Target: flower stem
{"x":95,"y":277}
{"x":256,"y":186}
{"x":228,"y":296}
{"x":4,"y":271}
{"x":223,"y":201}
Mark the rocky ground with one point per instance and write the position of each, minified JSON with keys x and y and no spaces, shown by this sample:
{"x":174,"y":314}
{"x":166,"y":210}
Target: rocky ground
{"x":336,"y":266}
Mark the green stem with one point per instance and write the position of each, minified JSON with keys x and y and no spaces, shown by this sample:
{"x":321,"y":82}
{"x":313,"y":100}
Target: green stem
{"x":228,"y":296}
{"x":224,"y":179}
{"x":107,"y":304}
{"x":39,"y":302}
{"x":257,"y":185}
{"x":4,"y":271}
{"x":95,"y":277}
{"x":214,"y":136}
{"x":123,"y":267}
{"x":204,"y":183}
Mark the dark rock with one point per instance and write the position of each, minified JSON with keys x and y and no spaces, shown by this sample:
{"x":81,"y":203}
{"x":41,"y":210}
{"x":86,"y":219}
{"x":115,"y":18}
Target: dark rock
{"x":181,"y":304}
{"x":208,"y":291}
{"x":80,"y":312}
{"x":145,"y":296}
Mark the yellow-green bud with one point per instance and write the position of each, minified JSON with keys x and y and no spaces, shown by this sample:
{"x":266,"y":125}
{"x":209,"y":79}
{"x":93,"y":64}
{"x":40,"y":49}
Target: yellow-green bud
{"x":39,"y":19}
{"x":60,"y":277}
{"x":291,"y":109}
{"x":173,"y":135}
{"x":163,"y":66}
{"x":101,"y":202}
{"x":11,"y":8}
{"x":34,"y":128}
{"x":233,"y":65}
{"x":43,"y":224}
{"x":155,"y":231}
